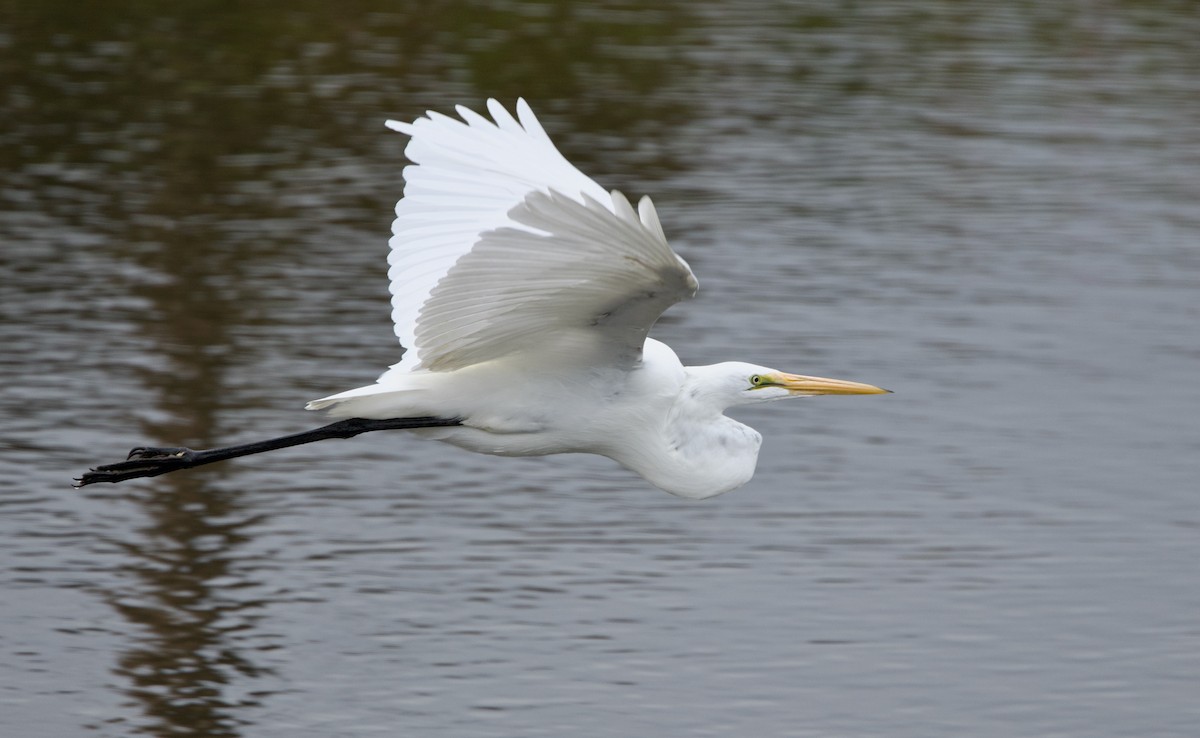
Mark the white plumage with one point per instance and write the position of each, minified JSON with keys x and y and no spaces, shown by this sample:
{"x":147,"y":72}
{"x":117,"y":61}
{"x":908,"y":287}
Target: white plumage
{"x":463,"y":182}
{"x":524,"y":292}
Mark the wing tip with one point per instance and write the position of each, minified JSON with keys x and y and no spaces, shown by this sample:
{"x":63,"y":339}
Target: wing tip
{"x":649,"y":217}
{"x":525,"y":117}
{"x":621,"y":206}
{"x":399,"y":126}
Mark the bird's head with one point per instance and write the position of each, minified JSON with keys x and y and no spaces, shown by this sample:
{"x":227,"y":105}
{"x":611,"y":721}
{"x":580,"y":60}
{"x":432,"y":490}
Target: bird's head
{"x":738,"y":383}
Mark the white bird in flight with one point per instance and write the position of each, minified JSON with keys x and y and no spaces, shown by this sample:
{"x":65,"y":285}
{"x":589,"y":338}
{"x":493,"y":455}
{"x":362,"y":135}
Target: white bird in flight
{"x":524,"y":293}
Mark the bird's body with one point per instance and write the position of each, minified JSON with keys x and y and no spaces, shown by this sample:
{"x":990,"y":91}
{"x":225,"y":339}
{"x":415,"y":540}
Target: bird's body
{"x":523,"y":293}
{"x":650,"y":417}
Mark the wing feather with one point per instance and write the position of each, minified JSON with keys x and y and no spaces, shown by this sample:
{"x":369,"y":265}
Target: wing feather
{"x":502,"y":245}
{"x":466,"y":176}
{"x":564,"y":268}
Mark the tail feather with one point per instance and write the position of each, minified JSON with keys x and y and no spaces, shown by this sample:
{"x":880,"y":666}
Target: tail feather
{"x":373,"y":402}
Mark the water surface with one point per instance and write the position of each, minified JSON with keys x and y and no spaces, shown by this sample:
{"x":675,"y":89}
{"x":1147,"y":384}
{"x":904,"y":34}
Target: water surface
{"x":991,"y":209}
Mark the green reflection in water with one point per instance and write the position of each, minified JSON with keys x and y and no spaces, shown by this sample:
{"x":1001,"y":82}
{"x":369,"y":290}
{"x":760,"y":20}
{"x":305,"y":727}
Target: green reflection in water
{"x":156,"y":125}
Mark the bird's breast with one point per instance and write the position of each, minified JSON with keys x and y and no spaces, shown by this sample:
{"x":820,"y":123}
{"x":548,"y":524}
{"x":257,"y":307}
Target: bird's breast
{"x":694,"y":458}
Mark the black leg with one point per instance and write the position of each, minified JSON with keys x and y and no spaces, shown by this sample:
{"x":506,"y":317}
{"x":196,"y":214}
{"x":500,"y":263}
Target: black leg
{"x":151,"y":462}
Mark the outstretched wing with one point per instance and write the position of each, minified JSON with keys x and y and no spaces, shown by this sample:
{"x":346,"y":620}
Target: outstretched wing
{"x":501,"y":245}
{"x":566,"y":274}
{"x":464,"y":180}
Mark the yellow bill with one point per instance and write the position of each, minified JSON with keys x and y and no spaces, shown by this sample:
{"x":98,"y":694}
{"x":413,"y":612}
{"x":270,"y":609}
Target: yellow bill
{"x":799,"y":384}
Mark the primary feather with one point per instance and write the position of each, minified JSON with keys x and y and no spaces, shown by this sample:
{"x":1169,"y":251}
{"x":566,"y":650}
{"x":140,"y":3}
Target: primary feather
{"x":465,"y":179}
{"x":501,"y":246}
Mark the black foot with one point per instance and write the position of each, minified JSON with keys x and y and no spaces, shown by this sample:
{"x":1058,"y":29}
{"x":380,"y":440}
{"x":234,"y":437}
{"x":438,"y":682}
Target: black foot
{"x":141,"y":462}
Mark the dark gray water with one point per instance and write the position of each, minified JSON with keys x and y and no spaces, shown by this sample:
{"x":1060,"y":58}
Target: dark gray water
{"x":991,"y":208}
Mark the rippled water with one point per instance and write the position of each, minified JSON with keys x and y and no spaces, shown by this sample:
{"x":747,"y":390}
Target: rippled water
{"x":992,"y":209}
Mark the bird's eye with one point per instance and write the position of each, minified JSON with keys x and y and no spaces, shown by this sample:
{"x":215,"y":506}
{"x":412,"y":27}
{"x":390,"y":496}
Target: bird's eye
{"x":756,"y":381}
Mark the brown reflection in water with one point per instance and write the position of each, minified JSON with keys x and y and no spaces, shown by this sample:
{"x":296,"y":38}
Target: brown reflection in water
{"x":186,"y":654}
{"x":188,"y":650}
{"x":126,"y":120}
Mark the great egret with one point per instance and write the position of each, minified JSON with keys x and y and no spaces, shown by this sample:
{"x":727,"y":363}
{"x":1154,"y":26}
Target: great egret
{"x":524,"y":293}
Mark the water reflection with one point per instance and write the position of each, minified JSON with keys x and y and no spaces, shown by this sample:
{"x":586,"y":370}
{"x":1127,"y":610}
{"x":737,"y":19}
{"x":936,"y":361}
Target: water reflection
{"x":185,"y":573}
{"x":184,"y":563}
{"x":993,"y":204}
{"x":176,"y":138}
